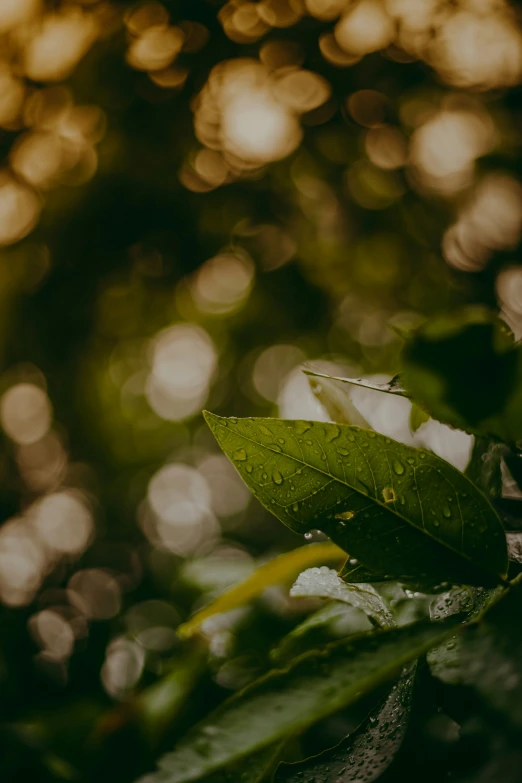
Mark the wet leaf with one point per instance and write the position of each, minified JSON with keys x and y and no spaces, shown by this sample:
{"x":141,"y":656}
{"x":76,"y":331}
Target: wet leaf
{"x":336,"y":400}
{"x":325,"y":583}
{"x":402,"y":512}
{"x":287,"y":701}
{"x":491,"y":655}
{"x":445,"y":660}
{"x":364,"y":755}
{"x":283,"y":568}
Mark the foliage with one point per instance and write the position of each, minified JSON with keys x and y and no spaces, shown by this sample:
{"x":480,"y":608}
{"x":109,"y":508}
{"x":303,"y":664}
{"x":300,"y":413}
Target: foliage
{"x":200,"y":199}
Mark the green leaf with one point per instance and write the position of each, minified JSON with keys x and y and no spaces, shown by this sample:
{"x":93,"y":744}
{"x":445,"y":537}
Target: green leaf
{"x":418,"y":417}
{"x":325,"y":583}
{"x":401,"y":512}
{"x":364,"y":755}
{"x":466,"y":370}
{"x":159,"y":704}
{"x":319,"y":629}
{"x":284,"y":702}
{"x":391,"y":387}
{"x":283,"y":568}
{"x":252,"y":769}
{"x":491,"y":655}
{"x":336,"y":400}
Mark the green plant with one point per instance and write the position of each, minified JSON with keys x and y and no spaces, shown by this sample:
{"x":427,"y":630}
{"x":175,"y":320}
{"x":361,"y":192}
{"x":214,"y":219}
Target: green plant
{"x":416,"y":532}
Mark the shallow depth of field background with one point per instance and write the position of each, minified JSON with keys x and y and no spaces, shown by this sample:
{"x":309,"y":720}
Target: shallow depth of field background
{"x":196,"y":198}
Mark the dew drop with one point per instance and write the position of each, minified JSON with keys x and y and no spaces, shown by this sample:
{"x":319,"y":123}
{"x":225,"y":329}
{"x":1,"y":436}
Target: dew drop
{"x":302,"y":426}
{"x":281,"y":440}
{"x":264,"y":429}
{"x":309,"y":536}
{"x":371,"y":434}
{"x":446,"y":512}
{"x":398,"y":467}
{"x":343,"y":452}
{"x":278,"y":479}
{"x":249,"y":468}
{"x":239,"y":455}
{"x":295,"y":508}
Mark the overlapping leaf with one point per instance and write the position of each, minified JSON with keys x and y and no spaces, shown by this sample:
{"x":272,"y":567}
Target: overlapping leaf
{"x":284,"y":702}
{"x":283,"y":568}
{"x":401,"y":512}
{"x":368,"y":752}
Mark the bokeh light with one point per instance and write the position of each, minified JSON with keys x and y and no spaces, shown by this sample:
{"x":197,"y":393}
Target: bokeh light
{"x":183,"y":359}
{"x":25,"y":413}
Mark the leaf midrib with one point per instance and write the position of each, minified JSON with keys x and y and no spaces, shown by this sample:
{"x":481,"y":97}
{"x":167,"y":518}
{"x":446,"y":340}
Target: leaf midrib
{"x":386,"y":507}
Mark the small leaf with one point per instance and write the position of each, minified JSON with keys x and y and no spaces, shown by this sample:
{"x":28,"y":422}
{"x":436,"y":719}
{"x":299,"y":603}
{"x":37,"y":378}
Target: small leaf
{"x":284,"y":702}
{"x":364,"y":755}
{"x":325,"y":583}
{"x":418,"y":417}
{"x":337,"y":401}
{"x":283,"y":568}
{"x":391,"y":387}
{"x":402,"y":512}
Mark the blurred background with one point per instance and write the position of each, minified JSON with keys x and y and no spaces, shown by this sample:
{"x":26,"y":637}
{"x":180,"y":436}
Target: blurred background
{"x":196,"y":198}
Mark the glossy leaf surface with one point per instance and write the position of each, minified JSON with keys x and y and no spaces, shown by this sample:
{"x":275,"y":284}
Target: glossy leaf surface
{"x":402,"y":512}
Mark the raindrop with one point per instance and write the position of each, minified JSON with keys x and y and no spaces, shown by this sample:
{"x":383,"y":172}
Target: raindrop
{"x":239,"y":455}
{"x":265,"y":430}
{"x":302,"y":426}
{"x":446,"y":512}
{"x":295,"y":508}
{"x":281,"y":440}
{"x":398,"y":467}
{"x":343,"y":452}
{"x":278,"y":479}
{"x":249,"y":468}
{"x":309,"y":536}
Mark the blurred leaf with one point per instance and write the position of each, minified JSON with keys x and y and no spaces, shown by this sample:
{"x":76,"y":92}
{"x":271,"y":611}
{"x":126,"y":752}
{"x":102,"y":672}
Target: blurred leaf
{"x":470,"y":602}
{"x":364,"y":755}
{"x":283,"y":568}
{"x":325,"y":583}
{"x":336,"y":401}
{"x":159,"y":704}
{"x":491,"y":655}
{"x":360,"y":488}
{"x":281,"y":703}
{"x":418,"y":417}
{"x":392,"y":387}
{"x":466,"y":371}
{"x":314,"y":632}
